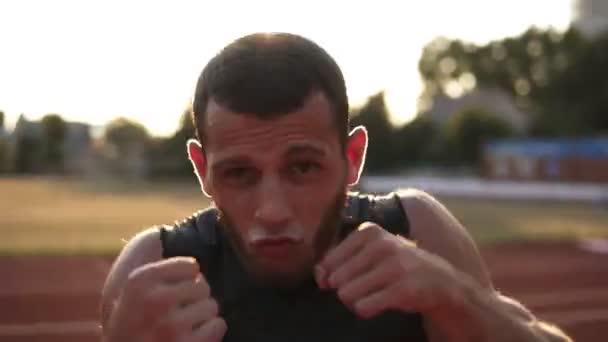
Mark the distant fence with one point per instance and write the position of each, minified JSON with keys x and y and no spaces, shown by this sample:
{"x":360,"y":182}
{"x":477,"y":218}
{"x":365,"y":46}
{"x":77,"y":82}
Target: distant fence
{"x":472,"y":187}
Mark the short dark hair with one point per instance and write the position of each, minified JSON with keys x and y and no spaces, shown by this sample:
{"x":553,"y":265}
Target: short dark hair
{"x":269,"y":74}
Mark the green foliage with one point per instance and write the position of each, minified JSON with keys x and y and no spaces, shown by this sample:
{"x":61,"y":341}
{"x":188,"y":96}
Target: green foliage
{"x":4,"y":156}
{"x":521,"y":66}
{"x":29,"y":155}
{"x":54,"y":130}
{"x":168,"y":157}
{"x":374,"y":116}
{"x":559,"y":78}
{"x":468,"y":130}
{"x":122,"y":134}
{"x":578,"y":101}
{"x":415,"y":142}
{"x":4,"y":148}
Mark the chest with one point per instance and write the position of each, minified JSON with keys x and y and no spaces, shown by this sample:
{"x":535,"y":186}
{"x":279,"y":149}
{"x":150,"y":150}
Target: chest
{"x":314,"y":316}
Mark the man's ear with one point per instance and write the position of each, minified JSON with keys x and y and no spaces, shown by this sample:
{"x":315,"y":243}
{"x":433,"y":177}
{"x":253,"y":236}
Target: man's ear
{"x":199,"y":163}
{"x":356,"y":150}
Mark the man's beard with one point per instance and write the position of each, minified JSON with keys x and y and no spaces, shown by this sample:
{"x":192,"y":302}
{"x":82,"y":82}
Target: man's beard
{"x":326,"y":234}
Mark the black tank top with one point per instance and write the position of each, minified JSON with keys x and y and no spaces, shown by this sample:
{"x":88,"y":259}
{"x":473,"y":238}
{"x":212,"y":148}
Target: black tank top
{"x":307,"y":314}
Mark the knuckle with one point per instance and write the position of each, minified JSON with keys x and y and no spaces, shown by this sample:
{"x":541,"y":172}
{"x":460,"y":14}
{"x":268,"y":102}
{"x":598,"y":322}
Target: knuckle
{"x":362,"y":310}
{"x":202,"y":286}
{"x":220,"y":327}
{"x":382,"y":242}
{"x":214,"y":329}
{"x":345,"y":296}
{"x":221,"y":323}
{"x":193,"y":267}
{"x":188,"y":265}
{"x":372,"y":229}
{"x":185,"y":265}
{"x":213,"y":307}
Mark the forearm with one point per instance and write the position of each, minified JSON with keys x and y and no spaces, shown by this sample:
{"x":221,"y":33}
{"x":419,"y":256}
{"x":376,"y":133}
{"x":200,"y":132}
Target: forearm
{"x":480,"y":315}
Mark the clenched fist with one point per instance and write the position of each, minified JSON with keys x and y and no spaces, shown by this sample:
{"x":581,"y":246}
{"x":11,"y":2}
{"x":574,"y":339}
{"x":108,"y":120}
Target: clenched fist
{"x":168,"y":301}
{"x":373,"y":270}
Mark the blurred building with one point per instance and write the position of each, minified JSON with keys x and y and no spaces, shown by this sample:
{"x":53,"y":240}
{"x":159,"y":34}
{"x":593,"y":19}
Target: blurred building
{"x":3,"y":133}
{"x":493,"y":100}
{"x":78,"y":148}
{"x":77,"y":145}
{"x":590,"y":16}
{"x":561,"y":160}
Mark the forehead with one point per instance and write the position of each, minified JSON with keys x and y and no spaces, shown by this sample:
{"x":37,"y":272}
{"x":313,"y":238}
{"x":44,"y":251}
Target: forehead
{"x":231,"y":133}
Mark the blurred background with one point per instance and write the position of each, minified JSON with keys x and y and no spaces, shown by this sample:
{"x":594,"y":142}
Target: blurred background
{"x":498,"y":108}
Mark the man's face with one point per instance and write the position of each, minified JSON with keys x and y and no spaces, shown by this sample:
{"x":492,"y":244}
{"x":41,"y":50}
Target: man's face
{"x":280,"y":186}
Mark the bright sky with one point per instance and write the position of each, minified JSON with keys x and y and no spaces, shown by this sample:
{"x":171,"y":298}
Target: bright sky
{"x":93,"y":60}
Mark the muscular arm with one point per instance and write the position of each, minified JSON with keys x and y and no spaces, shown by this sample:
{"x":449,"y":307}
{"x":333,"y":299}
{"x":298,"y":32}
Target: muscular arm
{"x":486,"y":313}
{"x":142,"y":249}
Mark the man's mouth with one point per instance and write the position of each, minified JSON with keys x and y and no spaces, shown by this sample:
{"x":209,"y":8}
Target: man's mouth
{"x":275,"y":247}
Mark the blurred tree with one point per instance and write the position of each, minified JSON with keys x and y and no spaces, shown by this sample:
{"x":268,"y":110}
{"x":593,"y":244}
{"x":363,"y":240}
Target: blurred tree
{"x":4,"y":157}
{"x":168,"y":156}
{"x":127,"y":143}
{"x":414,"y":142}
{"x":185,"y":130}
{"x":54,"y":130}
{"x":122,"y":133}
{"x":29,"y":153}
{"x":468,"y":130}
{"x":381,"y":151}
{"x":578,"y":103}
{"x":525,"y":67}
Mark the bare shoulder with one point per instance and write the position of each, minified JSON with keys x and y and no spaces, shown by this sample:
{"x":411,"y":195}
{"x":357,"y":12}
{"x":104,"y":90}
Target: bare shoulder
{"x":436,"y":230}
{"x":145,"y":247}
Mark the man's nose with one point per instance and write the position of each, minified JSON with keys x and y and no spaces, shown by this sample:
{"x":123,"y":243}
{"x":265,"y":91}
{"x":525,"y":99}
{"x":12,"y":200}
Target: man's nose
{"x":273,"y":206}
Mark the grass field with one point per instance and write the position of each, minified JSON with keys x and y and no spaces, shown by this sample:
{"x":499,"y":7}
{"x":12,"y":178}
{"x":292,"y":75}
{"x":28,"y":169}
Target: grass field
{"x":54,"y":216}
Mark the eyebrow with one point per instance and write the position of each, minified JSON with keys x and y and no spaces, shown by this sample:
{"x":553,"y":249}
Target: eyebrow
{"x":292,"y":151}
{"x":305,"y":149}
{"x":231,"y":161}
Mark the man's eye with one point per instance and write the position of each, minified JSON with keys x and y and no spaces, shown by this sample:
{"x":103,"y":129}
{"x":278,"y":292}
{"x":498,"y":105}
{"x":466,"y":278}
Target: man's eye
{"x":306,"y":167}
{"x":238,"y":174}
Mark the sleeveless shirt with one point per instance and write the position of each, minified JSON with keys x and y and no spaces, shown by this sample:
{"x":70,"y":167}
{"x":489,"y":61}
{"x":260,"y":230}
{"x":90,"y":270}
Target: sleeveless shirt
{"x":305,"y":314}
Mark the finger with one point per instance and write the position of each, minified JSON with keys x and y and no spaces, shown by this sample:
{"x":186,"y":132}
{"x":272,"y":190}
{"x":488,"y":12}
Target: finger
{"x":348,"y":247}
{"x":169,"y":270}
{"x":211,"y":331}
{"x":166,"y":297}
{"x":361,"y":262}
{"x":194,"y":315}
{"x":374,"y":303}
{"x":366,"y":284}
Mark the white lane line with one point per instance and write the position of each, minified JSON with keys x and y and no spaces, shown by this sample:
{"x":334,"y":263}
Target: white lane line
{"x":599,"y":246}
{"x":49,"y":328}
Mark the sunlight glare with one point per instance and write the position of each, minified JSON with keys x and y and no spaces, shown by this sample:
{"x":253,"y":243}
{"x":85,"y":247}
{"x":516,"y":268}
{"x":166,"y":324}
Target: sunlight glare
{"x":93,"y":61}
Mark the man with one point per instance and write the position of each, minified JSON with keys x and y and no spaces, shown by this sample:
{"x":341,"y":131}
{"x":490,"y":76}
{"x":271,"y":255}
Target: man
{"x":287,"y":252}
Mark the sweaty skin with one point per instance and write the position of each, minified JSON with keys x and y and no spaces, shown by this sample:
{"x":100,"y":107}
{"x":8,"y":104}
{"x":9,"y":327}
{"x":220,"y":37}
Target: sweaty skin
{"x":279,"y":179}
